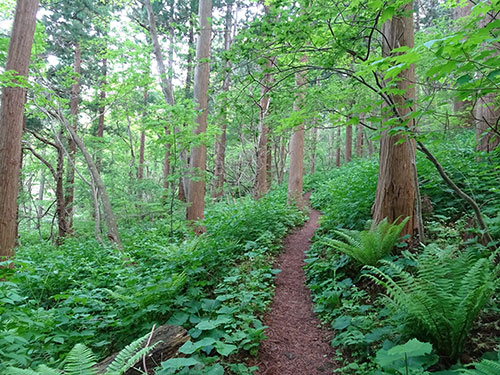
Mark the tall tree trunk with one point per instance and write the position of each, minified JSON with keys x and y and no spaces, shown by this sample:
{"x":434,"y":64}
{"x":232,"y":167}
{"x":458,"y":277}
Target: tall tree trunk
{"x":359,"y":140}
{"x":73,"y":104}
{"x":220,"y":144}
{"x":314,"y":141}
{"x":395,"y":197}
{"x":348,"y":143}
{"x":487,"y":128}
{"x":102,"y":108}
{"x":196,"y":190}
{"x":165,"y":80}
{"x":261,"y":185}
{"x":337,"y":156}
{"x":296,"y":173}
{"x":142,"y":146}
{"x":331,"y":147}
{"x":39,"y":208}
{"x":11,"y":122}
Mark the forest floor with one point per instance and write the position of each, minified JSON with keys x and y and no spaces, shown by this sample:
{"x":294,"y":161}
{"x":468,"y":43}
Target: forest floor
{"x":296,"y":343}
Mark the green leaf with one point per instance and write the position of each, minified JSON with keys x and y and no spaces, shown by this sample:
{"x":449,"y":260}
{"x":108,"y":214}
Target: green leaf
{"x":225,"y":349}
{"x":342,"y":322}
{"x":177,"y":363}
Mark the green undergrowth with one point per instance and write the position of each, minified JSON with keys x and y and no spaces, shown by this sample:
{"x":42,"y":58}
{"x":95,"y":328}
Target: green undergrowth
{"x":421,"y":310}
{"x":217,"y":286}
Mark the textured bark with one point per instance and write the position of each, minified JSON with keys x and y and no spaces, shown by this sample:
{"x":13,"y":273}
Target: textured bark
{"x":348,"y":143}
{"x":11,"y":122}
{"x":197,"y":164}
{"x":359,"y":140}
{"x":261,"y":185}
{"x":487,"y":128}
{"x":395,"y":197}
{"x":73,"y":105}
{"x":296,"y":172}
{"x":220,"y":144}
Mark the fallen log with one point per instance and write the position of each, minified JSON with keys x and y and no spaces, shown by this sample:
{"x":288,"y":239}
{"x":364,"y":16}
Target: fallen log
{"x":166,"y":340}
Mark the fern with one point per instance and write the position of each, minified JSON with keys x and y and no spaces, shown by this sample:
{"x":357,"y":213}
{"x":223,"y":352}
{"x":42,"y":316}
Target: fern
{"x":485,"y":367}
{"x":81,"y":361}
{"x":443,"y":298}
{"x":368,"y":246}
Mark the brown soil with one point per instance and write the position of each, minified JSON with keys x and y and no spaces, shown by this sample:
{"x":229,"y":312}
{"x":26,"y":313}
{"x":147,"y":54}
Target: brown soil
{"x":296,"y":343}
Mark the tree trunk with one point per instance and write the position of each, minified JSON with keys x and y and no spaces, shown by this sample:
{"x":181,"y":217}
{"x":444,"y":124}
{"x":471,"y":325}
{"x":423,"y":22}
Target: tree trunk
{"x":337,"y":156}
{"x":196,"y":190}
{"x":314,"y":140}
{"x":39,"y":209}
{"x":331,"y":147}
{"x":359,"y":140}
{"x":142,"y":146}
{"x":395,"y":197}
{"x":220,"y":144}
{"x":11,"y":122}
{"x":487,"y":128}
{"x":296,"y":173}
{"x":261,"y":185}
{"x":113,"y":234}
{"x":73,"y":104}
{"x":102,"y":109}
{"x":348,"y":143}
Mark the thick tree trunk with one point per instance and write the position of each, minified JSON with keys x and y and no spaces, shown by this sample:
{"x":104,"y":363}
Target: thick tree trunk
{"x":73,"y":104}
{"x":11,"y":122}
{"x":296,"y":173}
{"x":395,"y":197}
{"x":348,"y":143}
{"x":220,"y":144}
{"x":196,"y":190}
{"x":487,"y":128}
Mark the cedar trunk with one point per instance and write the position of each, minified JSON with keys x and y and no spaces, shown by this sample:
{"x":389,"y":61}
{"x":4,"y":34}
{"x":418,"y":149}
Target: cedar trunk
{"x":196,"y":190}
{"x":296,"y":173}
{"x":395,"y":197}
{"x":11,"y":122}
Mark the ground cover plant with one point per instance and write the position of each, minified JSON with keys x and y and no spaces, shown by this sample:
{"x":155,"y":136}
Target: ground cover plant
{"x":216,"y":286}
{"x":447,"y":285}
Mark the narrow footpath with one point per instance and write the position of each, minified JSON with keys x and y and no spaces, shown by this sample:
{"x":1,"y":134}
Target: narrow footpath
{"x":296,"y":344}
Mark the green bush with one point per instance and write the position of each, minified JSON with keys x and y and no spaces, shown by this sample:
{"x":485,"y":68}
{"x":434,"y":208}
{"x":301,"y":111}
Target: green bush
{"x":442,"y":299}
{"x":370,"y":245}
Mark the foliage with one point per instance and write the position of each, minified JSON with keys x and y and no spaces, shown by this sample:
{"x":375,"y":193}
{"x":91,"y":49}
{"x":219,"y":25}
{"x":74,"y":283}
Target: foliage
{"x":370,"y":245}
{"x":413,"y":357}
{"x":81,"y":361}
{"x":443,"y":298}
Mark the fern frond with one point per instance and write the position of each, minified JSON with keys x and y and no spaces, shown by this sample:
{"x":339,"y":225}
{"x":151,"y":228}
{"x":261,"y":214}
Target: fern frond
{"x":80,"y":361}
{"x":485,"y":367}
{"x":129,"y":356}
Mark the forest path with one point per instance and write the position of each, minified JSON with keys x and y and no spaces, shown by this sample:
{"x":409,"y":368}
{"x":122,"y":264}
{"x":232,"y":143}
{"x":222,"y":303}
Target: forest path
{"x":296,"y":344}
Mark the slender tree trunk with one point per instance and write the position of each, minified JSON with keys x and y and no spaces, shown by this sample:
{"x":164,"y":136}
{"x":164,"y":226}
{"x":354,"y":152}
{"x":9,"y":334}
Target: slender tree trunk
{"x":196,"y":191}
{"x":331,"y":147}
{"x":220,"y":144}
{"x":296,"y":173}
{"x":359,"y":140}
{"x":261,"y":185}
{"x":395,"y":197}
{"x":142,"y":146}
{"x":113,"y":234}
{"x":102,"y":109}
{"x":337,"y":156}
{"x":39,"y":209}
{"x":314,"y":140}
{"x":11,"y":122}
{"x":70,"y":173}
{"x":348,"y":143}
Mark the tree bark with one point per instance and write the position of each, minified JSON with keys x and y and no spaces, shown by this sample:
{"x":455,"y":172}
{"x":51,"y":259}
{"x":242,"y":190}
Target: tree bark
{"x":314,"y":141}
{"x":220,"y":144}
{"x":70,"y":173}
{"x":348,"y":143}
{"x":11,"y":122}
{"x":487,"y":128}
{"x":337,"y":156}
{"x":359,"y":140}
{"x":296,"y":172}
{"x":196,"y":190}
{"x":395,"y":196}
{"x":102,"y":109}
{"x":261,"y":185}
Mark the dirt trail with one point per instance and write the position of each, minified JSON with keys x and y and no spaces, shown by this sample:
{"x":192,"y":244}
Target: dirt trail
{"x":296,"y":345}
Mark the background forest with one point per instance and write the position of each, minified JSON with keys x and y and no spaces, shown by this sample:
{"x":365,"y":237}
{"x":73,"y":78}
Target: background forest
{"x":154,"y":154}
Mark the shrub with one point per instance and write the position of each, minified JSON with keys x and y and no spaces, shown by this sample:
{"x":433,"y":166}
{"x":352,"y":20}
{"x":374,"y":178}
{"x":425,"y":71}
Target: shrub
{"x":368,"y":246}
{"x":443,"y":298}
